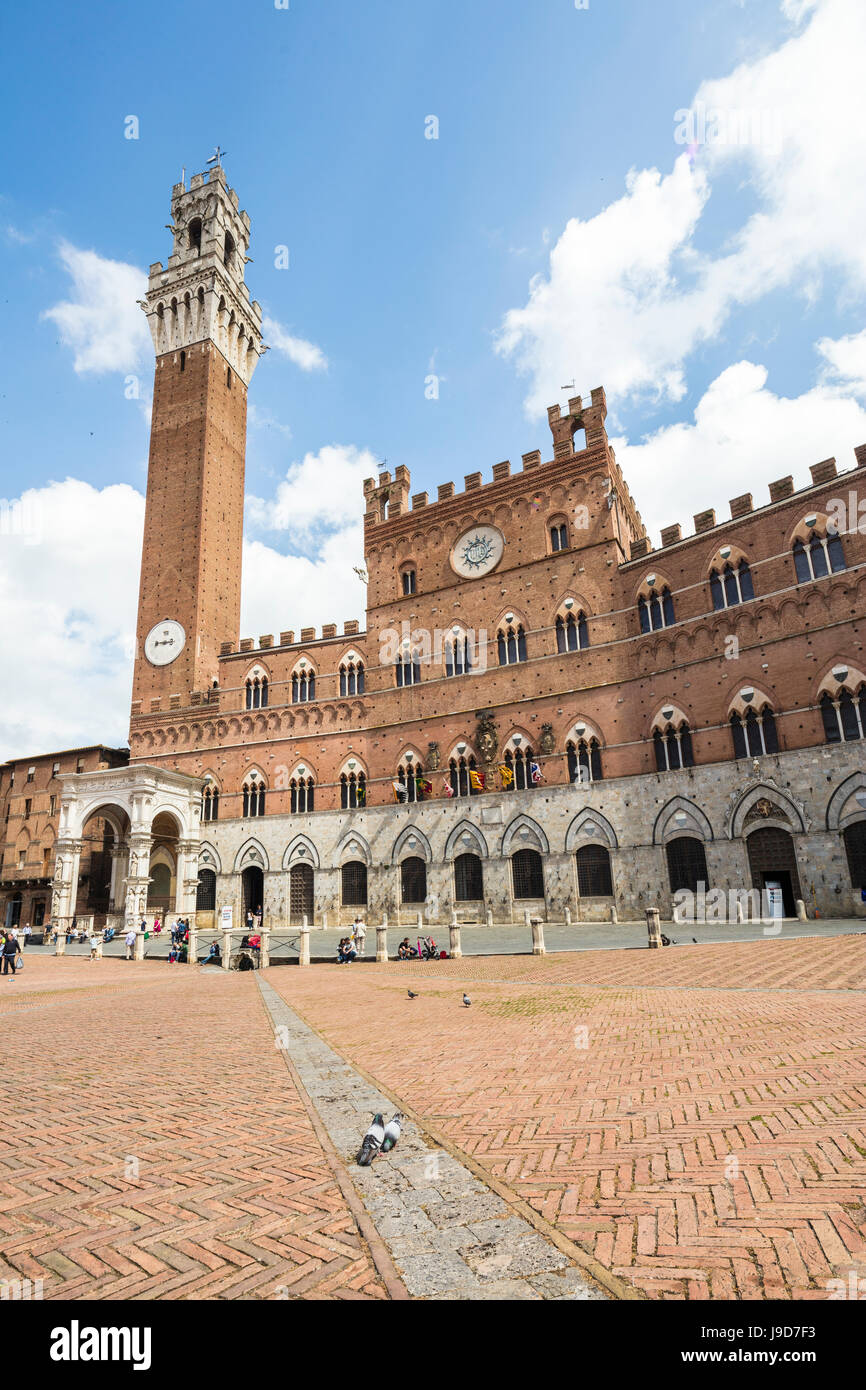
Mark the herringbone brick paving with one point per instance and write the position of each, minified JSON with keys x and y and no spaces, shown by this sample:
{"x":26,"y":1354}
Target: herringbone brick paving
{"x":152,"y":1145}
{"x":705,"y":1137}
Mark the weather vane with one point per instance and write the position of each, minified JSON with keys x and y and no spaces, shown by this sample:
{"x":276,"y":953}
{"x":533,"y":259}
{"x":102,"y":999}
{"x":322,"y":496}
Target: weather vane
{"x":217,"y":157}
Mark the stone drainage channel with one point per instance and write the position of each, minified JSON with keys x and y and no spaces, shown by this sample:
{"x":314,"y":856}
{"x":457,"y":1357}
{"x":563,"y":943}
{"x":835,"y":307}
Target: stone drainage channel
{"x":434,"y":1229}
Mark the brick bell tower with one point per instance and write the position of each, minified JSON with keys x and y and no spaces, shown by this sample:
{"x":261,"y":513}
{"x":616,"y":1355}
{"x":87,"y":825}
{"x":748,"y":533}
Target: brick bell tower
{"x":207,"y":338}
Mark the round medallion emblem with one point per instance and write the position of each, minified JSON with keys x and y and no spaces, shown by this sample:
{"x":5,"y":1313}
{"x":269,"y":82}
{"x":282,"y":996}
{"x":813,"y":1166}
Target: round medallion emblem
{"x":477,"y":551}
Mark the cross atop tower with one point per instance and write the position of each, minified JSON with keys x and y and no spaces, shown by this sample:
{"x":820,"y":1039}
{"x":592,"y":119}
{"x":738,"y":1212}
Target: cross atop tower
{"x":217,"y":156}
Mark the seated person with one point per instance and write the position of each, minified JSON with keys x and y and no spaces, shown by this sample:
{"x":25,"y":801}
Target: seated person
{"x":172,"y":955}
{"x":346,"y":951}
{"x":245,"y":941}
{"x":214,"y":955}
{"x":255,"y":942}
{"x":182,"y":954}
{"x":405,"y":951}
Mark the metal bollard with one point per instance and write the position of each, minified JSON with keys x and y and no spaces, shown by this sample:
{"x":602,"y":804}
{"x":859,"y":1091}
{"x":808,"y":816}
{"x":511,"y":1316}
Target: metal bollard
{"x":454,"y":940}
{"x":382,"y":943}
{"x":653,"y":929}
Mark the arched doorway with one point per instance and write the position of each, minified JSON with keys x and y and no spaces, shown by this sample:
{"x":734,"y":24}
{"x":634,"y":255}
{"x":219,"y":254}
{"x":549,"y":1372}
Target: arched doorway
{"x":772,"y":860}
{"x":159,"y":889}
{"x":855,"y":848}
{"x":687,"y":864}
{"x":300,"y":893}
{"x":162,"y":889}
{"x":527,"y":874}
{"x":413,"y":880}
{"x":13,"y":910}
{"x":253,"y":884}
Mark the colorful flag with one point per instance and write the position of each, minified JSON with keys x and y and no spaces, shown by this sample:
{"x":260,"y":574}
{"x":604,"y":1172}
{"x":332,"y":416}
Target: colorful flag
{"x":362,"y":794}
{"x":477,"y":779}
{"x":400,"y":792}
{"x":424,"y":787}
{"x":506,"y":775}
{"x":535,"y":774}
{"x":448,"y":789}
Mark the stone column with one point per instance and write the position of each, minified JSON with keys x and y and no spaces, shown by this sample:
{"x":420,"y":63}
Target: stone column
{"x":382,"y":943}
{"x":537,"y":937}
{"x":137,"y":879}
{"x":138,"y":948}
{"x":60,"y":943}
{"x":119,"y":859}
{"x":454,"y":941}
{"x":801,"y":910}
{"x":227,"y":948}
{"x":265,"y":953}
{"x":653,"y":928}
{"x":65,"y":888}
{"x":192,"y":946}
{"x":304,"y":945}
{"x":186,"y":882}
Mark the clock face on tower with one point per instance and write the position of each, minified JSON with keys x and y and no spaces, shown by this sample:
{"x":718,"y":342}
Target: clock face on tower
{"x":477,"y":551}
{"x":164,"y":643}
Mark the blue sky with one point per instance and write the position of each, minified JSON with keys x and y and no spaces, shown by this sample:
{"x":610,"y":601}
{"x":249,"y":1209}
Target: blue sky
{"x":698,"y":287}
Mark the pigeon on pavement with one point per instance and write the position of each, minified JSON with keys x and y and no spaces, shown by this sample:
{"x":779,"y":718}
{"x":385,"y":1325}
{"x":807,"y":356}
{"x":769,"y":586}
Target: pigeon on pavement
{"x":466,"y":1000}
{"x":411,"y":995}
{"x":372,"y":1141}
{"x":392,"y":1133}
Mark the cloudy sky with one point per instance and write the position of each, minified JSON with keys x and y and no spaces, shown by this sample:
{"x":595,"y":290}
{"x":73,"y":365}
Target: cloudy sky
{"x":667,"y":200}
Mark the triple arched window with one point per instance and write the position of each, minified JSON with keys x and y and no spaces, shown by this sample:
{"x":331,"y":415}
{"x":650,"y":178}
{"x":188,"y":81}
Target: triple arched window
{"x":511,"y":644}
{"x":352,"y":678}
{"x":656,"y":610}
{"x":257,"y":692}
{"x":303,"y":687}
{"x":572,"y":634}
{"x":353,"y":790}
{"x":844,"y":715}
{"x":210,"y":802}
{"x":254,"y":796}
{"x":754,"y":733}
{"x":459,"y":780}
{"x":731,"y":585}
{"x":673,"y":747}
{"x":820,"y":555}
{"x":458,"y":655}
{"x":520,"y":763}
{"x":584,"y":760}
{"x":408,"y":668}
{"x":302,"y":790}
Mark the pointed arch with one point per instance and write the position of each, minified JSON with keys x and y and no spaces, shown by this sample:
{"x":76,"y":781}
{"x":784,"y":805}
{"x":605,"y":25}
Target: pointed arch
{"x":301,"y":850}
{"x":252,"y":854}
{"x":773,"y":794}
{"x":845,"y":806}
{"x":679,"y":816}
{"x":513,"y":838}
{"x":457,"y":842}
{"x":351,"y":845}
{"x":590,"y":827}
{"x":420,"y":849}
{"x":209,"y":857}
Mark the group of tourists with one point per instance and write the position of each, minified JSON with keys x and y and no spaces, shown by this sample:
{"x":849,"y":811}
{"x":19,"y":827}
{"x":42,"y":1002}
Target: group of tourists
{"x":352,"y":947}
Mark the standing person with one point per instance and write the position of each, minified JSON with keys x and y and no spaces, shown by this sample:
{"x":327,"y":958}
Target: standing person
{"x":258,"y":918}
{"x":11,"y":955}
{"x":249,"y":920}
{"x":143,"y":926}
{"x":130,"y":943}
{"x":360,"y":935}
{"x":94,"y":942}
{"x":26,"y":935}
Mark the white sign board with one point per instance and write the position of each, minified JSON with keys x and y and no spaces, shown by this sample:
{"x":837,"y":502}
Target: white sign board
{"x":226,"y":918}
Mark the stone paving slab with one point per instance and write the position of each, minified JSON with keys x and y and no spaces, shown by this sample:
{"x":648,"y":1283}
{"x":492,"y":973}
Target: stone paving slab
{"x":694,"y":1120}
{"x":427,"y":1207}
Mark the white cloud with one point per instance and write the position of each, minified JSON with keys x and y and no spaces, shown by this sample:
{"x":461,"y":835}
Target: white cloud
{"x":102,"y":323}
{"x":845,"y":361}
{"x":627,"y":297}
{"x":304,"y":355}
{"x":741,"y":438}
{"x":295,"y":591}
{"x":68,"y":595}
{"x":612,"y":310}
{"x":322,"y":492}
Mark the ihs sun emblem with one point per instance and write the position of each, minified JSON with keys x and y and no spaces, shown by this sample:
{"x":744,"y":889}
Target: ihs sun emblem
{"x":477,"y":551}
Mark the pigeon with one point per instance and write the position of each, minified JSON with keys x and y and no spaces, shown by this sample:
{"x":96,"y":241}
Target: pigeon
{"x":372,"y":1142}
{"x":411,"y":995}
{"x":392,"y":1133}
{"x":695,"y":940}
{"x":466,"y":1000}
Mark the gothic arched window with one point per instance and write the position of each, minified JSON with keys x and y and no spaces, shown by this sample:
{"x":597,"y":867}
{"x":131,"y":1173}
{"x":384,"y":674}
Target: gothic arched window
{"x":458,"y":775}
{"x":254,"y":796}
{"x":458,"y":655}
{"x":352,"y":678}
{"x":511,"y":645}
{"x":559,"y":536}
{"x":257,"y":692}
{"x":353,"y":790}
{"x":584,"y":760}
{"x":754,"y":733}
{"x":303,"y":687}
{"x":732,"y":585}
{"x":673,"y":747}
{"x":519,"y":760}
{"x":656,"y":610}
{"x":571,"y":633}
{"x":844,"y":715}
{"x":302,"y":791}
{"x":210,"y":802}
{"x":408,"y":668}
{"x":821,"y":555}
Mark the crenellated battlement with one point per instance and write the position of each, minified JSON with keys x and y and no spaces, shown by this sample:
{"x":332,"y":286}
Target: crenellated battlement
{"x":741,"y":507}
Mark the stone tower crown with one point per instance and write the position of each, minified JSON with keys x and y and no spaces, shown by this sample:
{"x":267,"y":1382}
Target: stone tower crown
{"x":201,"y":294}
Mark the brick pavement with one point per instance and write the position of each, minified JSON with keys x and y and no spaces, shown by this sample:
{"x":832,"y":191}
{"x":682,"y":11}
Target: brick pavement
{"x":708,"y":1141}
{"x":153,"y":1147}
